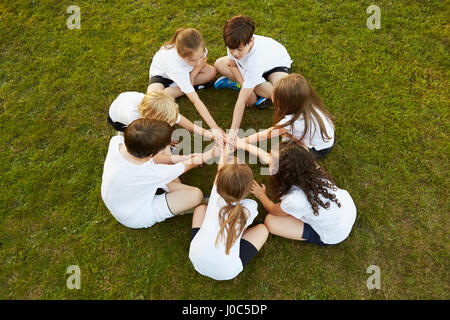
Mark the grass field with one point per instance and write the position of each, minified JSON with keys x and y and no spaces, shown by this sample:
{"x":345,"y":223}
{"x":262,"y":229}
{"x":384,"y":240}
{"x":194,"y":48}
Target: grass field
{"x":387,"y":88}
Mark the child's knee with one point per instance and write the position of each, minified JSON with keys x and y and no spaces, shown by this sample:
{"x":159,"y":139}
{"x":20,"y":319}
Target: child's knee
{"x":268,"y":222}
{"x":197,"y":195}
{"x":263,"y":230}
{"x":211,"y":72}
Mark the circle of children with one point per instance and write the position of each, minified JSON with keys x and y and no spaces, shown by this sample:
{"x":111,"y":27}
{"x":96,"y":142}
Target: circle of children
{"x":141,"y":185}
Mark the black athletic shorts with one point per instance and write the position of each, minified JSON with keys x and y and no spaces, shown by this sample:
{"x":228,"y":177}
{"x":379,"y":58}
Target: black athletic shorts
{"x":158,"y":79}
{"x":319,"y":154}
{"x":246,"y":251}
{"x":119,"y":126}
{"x":310,"y":235}
{"x":276,"y":69}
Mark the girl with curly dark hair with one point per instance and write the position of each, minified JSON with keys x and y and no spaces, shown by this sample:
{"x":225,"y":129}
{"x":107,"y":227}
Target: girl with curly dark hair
{"x":311,"y":207}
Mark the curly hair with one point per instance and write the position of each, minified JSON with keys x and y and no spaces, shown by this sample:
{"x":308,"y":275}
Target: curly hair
{"x":296,"y":167}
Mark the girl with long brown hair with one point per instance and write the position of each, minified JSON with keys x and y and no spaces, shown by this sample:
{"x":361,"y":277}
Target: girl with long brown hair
{"x":300,"y":114}
{"x":180,"y":67}
{"x":222,"y":244}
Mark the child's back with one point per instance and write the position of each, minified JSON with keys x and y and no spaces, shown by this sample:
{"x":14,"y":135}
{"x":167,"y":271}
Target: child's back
{"x":210,"y":260}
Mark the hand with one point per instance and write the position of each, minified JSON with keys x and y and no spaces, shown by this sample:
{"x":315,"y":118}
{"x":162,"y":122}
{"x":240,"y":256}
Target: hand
{"x":258,"y":190}
{"x":219,"y":136}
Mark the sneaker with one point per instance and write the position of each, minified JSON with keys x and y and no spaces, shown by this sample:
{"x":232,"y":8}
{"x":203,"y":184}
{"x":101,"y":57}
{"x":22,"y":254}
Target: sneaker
{"x":204,"y":85}
{"x":263,"y":103}
{"x":224,"y":82}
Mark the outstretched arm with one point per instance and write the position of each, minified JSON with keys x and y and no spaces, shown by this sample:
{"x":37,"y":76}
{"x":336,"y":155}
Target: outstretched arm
{"x":238,"y":112}
{"x":204,"y":113}
{"x":260,"y":153}
{"x":272,"y":132}
{"x":188,"y":125}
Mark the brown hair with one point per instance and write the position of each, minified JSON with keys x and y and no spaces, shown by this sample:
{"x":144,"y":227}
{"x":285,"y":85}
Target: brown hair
{"x":234,"y":182}
{"x":145,"y":137}
{"x":238,"y":30}
{"x":159,"y":106}
{"x":293,"y":95}
{"x":187,"y":41}
{"x":296,"y":167}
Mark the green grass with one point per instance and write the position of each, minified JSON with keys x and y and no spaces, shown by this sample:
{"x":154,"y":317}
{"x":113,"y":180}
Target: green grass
{"x":387,"y":88}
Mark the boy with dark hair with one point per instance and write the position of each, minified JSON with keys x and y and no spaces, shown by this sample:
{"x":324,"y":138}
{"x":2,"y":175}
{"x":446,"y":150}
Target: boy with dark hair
{"x":253,"y":65}
{"x":132,"y":176}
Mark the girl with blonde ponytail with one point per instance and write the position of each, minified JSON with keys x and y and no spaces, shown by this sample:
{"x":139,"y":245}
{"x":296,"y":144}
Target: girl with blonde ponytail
{"x":180,"y":67}
{"x":222,"y":244}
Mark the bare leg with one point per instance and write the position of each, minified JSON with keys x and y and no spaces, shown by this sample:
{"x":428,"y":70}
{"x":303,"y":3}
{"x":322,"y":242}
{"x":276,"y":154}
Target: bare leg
{"x":285,"y":226}
{"x":182,"y":197}
{"x":264,"y":89}
{"x":277,"y":76}
{"x":155,"y":87}
{"x":223,"y":66}
{"x":205,"y":75}
{"x":198,"y":216}
{"x":256,"y":235}
{"x":174,"y":92}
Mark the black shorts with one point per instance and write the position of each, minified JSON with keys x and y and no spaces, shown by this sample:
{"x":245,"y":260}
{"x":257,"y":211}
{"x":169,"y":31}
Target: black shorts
{"x":246,"y":251}
{"x":158,"y":79}
{"x":319,"y":154}
{"x":119,"y":126}
{"x":276,"y":69}
{"x":311,"y":236}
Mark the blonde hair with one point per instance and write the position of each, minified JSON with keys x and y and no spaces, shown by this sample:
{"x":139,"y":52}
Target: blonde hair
{"x":234,"y":182}
{"x":187,"y":41}
{"x":159,"y":106}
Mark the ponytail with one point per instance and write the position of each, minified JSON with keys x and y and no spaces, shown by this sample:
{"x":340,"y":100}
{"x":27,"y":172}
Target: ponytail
{"x":232,"y":220}
{"x":187,"y":41}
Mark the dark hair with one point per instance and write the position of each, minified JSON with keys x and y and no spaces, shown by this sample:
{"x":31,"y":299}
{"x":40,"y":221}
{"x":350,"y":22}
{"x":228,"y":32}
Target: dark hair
{"x":145,"y":137}
{"x":238,"y":30}
{"x":296,"y":167}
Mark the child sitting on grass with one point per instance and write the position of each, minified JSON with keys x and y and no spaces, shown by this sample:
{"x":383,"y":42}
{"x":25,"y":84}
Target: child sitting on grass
{"x":131,"y":176}
{"x":254,"y":64}
{"x":129,"y":106}
{"x":179,"y":67}
{"x":311,"y":208}
{"x":299,"y":114}
{"x":221,"y":242}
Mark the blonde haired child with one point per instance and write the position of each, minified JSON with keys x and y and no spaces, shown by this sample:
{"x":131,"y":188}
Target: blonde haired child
{"x":179,"y":67}
{"x":129,"y":106}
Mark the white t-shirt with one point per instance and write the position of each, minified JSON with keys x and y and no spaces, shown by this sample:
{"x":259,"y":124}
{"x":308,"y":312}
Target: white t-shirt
{"x":124,"y":108}
{"x":333,"y":224}
{"x":168,"y":64}
{"x":212,"y":261}
{"x":128,"y":189}
{"x":265,"y":55}
{"x":313,"y":137}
